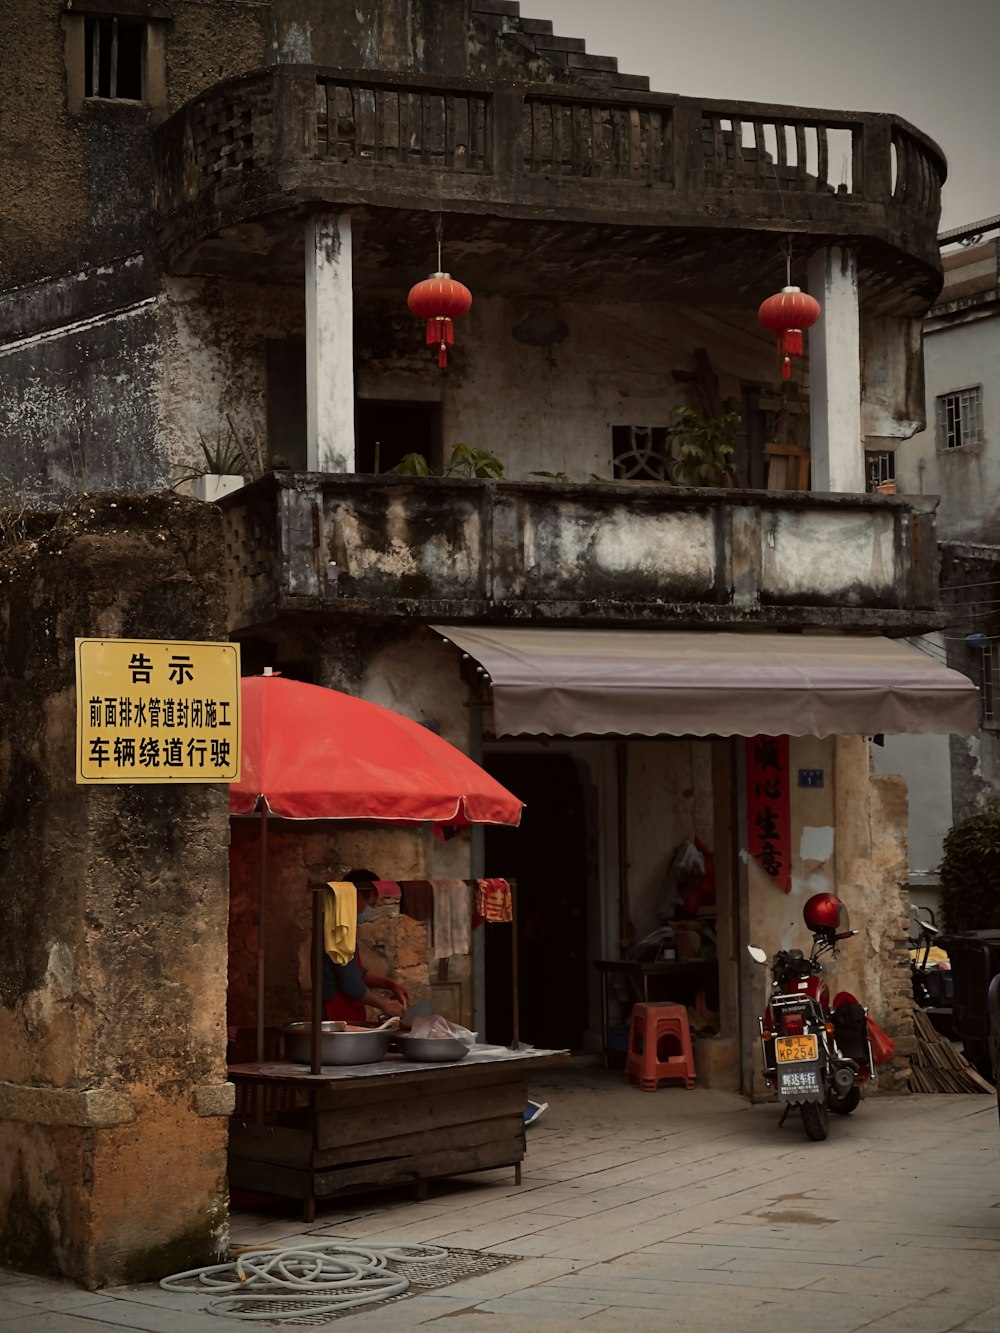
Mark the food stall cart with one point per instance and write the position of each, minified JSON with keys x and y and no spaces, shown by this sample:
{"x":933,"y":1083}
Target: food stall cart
{"x":310,"y":1132}
{"x":352,"y":1128}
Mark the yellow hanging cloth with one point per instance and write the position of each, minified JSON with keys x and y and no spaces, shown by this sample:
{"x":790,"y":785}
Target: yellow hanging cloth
{"x":340,"y":922}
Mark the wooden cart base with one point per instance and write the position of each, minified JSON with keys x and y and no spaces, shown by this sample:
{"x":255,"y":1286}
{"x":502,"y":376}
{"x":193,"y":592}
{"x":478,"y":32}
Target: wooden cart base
{"x":372,"y":1127}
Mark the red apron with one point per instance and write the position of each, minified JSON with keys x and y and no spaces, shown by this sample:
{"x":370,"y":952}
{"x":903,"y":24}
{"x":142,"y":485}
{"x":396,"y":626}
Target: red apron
{"x":340,"y":1007}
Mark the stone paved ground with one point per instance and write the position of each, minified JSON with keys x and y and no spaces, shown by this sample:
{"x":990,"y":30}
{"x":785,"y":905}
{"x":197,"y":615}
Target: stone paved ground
{"x":674,"y":1209}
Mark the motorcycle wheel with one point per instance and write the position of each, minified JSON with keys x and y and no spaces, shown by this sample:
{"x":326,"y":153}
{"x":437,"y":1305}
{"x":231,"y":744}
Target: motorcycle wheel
{"x":845,"y":1105}
{"x":816,"y":1120}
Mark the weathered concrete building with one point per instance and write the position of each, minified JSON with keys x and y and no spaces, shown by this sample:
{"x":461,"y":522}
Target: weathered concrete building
{"x":216,"y":244}
{"x":957,"y":458}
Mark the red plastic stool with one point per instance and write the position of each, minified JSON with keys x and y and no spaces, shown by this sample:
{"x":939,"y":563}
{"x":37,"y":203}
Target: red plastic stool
{"x":659,"y":1046}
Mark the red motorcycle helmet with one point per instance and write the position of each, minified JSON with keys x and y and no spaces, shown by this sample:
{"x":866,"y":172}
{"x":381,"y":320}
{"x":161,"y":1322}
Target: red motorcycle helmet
{"x":824,"y":913}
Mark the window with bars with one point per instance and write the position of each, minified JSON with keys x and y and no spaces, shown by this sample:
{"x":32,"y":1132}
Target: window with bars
{"x":115,"y":58}
{"x":960,"y":418}
{"x":880,"y":471}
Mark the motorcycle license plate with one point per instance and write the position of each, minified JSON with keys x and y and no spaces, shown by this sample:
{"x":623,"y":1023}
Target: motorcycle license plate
{"x":790,"y":1050}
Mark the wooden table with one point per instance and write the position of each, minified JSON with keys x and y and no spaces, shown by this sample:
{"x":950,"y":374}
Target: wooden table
{"x":353,"y":1128}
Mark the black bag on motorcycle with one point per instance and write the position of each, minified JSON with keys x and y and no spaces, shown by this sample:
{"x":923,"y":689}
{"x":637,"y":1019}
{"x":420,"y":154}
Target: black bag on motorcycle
{"x":851,"y":1033}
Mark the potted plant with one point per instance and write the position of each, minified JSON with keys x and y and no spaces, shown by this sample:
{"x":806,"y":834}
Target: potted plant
{"x":225,"y":466}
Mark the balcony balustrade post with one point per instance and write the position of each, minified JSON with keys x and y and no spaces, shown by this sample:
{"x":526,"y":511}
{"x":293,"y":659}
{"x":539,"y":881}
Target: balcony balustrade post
{"x":876,"y":182}
{"x":689,"y":148}
{"x":507,"y":147}
{"x":330,"y":445}
{"x":835,"y":373}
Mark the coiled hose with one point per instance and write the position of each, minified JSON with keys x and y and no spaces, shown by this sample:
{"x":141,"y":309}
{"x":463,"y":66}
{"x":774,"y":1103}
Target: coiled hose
{"x":319,"y":1279}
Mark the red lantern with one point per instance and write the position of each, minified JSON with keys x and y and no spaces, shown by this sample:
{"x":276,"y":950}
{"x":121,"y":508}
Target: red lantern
{"x":787,"y":313}
{"x":440,"y":300}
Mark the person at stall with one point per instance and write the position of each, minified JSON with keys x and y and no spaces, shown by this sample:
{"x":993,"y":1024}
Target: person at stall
{"x":349,"y":988}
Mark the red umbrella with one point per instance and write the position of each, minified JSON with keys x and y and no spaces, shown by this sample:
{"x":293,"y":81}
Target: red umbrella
{"x":314,"y":753}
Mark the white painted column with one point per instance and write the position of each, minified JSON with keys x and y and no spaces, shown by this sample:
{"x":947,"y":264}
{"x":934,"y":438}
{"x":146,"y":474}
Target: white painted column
{"x":838,"y":462}
{"x":329,"y":345}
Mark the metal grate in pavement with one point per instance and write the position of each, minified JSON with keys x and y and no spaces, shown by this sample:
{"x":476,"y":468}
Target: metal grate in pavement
{"x":453,"y":1266}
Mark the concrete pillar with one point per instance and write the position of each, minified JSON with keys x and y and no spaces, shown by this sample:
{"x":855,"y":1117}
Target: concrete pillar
{"x":114,"y":1102}
{"x":329,"y":345}
{"x":835,"y":374}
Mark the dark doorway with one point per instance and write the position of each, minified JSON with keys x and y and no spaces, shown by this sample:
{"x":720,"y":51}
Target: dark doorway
{"x":389,"y":429}
{"x":286,"y":403}
{"x":547,"y":856}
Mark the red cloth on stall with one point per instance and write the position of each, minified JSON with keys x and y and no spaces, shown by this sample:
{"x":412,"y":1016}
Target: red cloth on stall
{"x":491,"y":901}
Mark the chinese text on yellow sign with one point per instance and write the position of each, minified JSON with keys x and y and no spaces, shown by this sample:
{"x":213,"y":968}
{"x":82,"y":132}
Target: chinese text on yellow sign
{"x":148,"y":710}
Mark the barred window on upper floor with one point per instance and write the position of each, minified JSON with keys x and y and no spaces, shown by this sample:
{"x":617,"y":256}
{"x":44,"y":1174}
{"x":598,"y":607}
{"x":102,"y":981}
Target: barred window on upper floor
{"x":116,"y":53}
{"x":115,"y":58}
{"x":960,"y":418}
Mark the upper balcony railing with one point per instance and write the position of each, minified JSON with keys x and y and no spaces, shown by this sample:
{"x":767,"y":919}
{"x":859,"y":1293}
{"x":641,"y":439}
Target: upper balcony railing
{"x":304,"y":134}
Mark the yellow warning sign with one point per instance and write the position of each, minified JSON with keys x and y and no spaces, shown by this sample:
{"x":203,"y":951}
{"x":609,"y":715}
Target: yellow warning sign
{"x":153,"y":710}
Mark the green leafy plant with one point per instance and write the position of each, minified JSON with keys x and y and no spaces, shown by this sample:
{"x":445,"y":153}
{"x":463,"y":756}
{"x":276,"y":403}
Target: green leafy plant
{"x":703,"y":448}
{"x":970,"y":872}
{"x":465,"y":461}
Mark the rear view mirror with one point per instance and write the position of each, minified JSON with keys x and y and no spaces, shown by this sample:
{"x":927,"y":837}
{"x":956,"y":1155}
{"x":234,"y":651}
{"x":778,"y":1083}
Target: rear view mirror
{"x":758,"y":955}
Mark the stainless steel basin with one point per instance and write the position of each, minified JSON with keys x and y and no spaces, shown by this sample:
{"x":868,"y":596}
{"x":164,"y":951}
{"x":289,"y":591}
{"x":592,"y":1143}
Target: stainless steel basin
{"x":336,"y":1048}
{"x":432,"y":1050}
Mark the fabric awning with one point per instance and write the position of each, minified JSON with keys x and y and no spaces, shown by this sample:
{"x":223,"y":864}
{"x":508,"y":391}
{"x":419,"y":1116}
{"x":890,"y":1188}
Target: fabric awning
{"x":587,"y":682}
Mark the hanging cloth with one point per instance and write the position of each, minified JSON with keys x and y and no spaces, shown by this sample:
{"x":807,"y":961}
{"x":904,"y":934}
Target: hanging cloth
{"x":452,"y":917}
{"x":340,"y":922}
{"x":492,"y":901}
{"x":416,"y":899}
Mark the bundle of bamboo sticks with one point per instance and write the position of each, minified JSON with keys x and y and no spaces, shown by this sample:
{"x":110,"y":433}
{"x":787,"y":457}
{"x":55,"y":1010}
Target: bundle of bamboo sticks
{"x":937,"y":1066}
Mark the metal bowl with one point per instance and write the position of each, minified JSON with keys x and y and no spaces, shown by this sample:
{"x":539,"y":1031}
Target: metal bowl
{"x":432,"y":1050}
{"x":336,"y":1048}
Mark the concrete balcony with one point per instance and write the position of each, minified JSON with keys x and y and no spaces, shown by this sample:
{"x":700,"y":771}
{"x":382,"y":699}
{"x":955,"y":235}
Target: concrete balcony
{"x":634,"y":192}
{"x":375,"y":549}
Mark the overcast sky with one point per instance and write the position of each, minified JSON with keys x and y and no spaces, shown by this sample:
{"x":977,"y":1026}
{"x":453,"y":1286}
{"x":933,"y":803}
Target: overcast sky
{"x":937,"y":65}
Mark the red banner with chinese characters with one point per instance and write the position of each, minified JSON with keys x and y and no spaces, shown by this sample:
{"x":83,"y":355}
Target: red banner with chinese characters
{"x":769,"y":821}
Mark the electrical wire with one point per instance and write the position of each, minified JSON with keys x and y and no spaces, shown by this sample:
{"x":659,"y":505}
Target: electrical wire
{"x":982,"y":583}
{"x":303,"y":1281}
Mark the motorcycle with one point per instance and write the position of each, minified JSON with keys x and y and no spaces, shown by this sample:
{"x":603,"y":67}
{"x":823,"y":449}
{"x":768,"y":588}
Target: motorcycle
{"x":816,"y":1054}
{"x":930,"y":972}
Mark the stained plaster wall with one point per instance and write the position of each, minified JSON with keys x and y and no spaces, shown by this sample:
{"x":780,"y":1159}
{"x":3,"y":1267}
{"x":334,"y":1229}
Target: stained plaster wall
{"x":112,"y":968}
{"x":77,"y":184}
{"x":604,"y":365}
{"x":924,"y":763}
{"x":214,"y":358}
{"x":78,"y":409}
{"x":892,"y":380}
{"x":848,"y":837}
{"x":559,"y":400}
{"x":455,"y":38}
{"x":967,"y":479}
